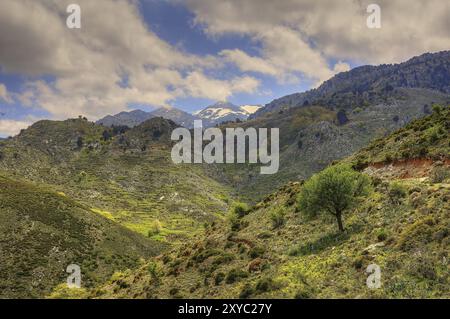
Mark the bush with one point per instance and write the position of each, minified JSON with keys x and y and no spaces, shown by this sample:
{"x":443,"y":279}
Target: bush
{"x":154,"y":270}
{"x":235,"y":275}
{"x":265,"y":284}
{"x":303,"y":294}
{"x":278,"y":218}
{"x":247,"y":291}
{"x":175,"y":293}
{"x":155,"y":228}
{"x":381,"y":234}
{"x":63,"y":291}
{"x":241,"y":209}
{"x":417,"y":234}
{"x":219,"y":278}
{"x":396,"y":192}
{"x":235,"y":222}
{"x":256,"y":252}
{"x":439,"y":174}
{"x":437,"y":108}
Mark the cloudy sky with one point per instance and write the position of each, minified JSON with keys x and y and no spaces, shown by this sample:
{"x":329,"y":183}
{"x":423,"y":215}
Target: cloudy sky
{"x":189,"y":53}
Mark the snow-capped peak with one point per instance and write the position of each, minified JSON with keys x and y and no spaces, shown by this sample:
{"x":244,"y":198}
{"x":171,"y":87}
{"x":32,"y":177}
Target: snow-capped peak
{"x":225,"y":111}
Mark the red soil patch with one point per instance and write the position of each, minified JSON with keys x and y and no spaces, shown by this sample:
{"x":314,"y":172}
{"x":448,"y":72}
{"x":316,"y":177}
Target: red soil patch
{"x":407,"y":168}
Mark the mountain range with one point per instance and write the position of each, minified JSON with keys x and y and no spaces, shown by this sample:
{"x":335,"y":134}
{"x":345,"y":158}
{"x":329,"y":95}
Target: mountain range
{"x":369,"y":85}
{"x":212,"y":115}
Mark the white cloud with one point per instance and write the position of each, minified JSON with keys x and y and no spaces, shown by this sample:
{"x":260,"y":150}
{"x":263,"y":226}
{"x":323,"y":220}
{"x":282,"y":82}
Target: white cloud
{"x":301,"y":35}
{"x":12,"y":127}
{"x":341,"y":67}
{"x":249,"y":63}
{"x":201,"y":86}
{"x":115,"y":58}
{"x":4,"y":95}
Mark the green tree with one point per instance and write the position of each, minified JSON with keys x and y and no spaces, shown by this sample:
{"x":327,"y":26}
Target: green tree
{"x":334,"y":190}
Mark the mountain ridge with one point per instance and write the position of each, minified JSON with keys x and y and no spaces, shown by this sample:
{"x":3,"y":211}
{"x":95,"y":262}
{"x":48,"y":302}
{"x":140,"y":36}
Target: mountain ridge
{"x":370,"y":84}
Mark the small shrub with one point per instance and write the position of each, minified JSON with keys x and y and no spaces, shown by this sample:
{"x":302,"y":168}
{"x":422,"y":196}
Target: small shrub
{"x":439,"y":174}
{"x":278,"y":218}
{"x":266,"y":284}
{"x":303,"y":294}
{"x":419,"y":233}
{"x":437,"y":108}
{"x":381,"y":234}
{"x":154,"y":270}
{"x":155,"y":229}
{"x":235,"y":275}
{"x":241,"y":209}
{"x":396,"y":192}
{"x":219,"y":278}
{"x":201,"y":256}
{"x":175,"y":293}
{"x":264,"y":235}
{"x":63,"y":291}
{"x":247,"y":292}
{"x":256,"y":252}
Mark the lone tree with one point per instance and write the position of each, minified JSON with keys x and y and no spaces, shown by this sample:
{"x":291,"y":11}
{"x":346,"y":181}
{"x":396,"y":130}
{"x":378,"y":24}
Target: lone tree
{"x":334,"y":190}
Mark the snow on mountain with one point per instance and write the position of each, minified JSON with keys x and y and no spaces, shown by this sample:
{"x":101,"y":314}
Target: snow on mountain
{"x":224,"y":111}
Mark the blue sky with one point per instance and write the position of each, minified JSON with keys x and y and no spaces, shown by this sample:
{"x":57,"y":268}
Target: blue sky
{"x":174,"y":23}
{"x":190,"y":53}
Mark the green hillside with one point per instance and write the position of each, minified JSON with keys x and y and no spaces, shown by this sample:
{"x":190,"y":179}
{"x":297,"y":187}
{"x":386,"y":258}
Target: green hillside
{"x":276,"y":250}
{"x":42,"y":232}
{"x":125,"y":175}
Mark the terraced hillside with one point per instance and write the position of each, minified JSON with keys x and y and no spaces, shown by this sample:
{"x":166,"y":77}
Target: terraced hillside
{"x":275,"y":250}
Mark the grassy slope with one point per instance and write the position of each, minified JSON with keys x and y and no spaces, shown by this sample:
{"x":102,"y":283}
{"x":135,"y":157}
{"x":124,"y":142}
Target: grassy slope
{"x":129,"y":178}
{"x":42,"y":232}
{"x":407,"y":235}
{"x":424,"y":138}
